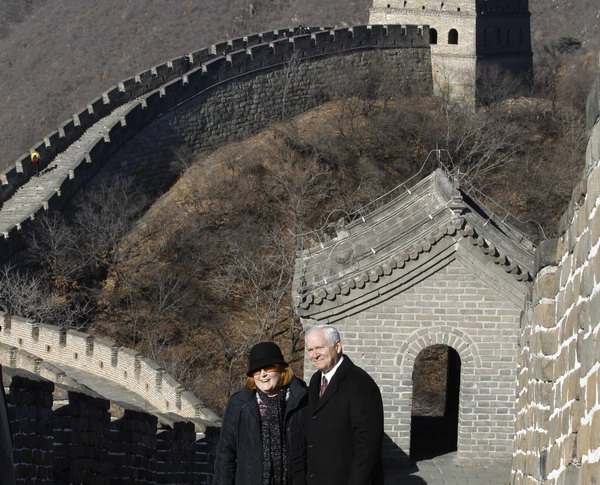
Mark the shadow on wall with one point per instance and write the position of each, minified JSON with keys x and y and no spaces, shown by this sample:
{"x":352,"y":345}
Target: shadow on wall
{"x":6,"y":455}
{"x":396,"y":465}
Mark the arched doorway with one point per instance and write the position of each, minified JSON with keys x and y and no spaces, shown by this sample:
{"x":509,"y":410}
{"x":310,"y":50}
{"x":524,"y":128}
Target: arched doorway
{"x":434,"y":414}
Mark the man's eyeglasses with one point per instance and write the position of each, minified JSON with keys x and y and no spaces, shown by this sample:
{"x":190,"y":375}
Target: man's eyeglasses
{"x":267,"y":369}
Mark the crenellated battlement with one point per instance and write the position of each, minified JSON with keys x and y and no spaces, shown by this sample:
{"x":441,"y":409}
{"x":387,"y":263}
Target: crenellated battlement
{"x":63,"y":433}
{"x":109,"y":121}
{"x":47,"y":350}
{"x":261,"y":50}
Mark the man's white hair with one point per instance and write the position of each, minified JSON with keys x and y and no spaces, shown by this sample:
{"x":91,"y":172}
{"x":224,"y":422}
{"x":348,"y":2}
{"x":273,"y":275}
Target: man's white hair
{"x":331,"y":333}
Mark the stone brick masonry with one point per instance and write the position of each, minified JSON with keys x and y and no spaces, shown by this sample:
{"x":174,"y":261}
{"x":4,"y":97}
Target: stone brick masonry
{"x":65,"y":435}
{"x":196,"y":102}
{"x":558,"y":420}
{"x":455,"y":308}
{"x":428,"y":268}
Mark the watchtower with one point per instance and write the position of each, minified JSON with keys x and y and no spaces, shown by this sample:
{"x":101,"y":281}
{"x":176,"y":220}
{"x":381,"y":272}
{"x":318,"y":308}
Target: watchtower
{"x":471,"y":40}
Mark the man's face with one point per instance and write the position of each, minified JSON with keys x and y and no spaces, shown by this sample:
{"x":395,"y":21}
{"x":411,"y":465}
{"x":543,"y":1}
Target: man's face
{"x":322,"y":355}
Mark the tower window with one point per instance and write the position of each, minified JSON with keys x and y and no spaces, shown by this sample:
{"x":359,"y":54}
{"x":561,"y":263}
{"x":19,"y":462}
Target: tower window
{"x":433,"y":36}
{"x":453,"y":36}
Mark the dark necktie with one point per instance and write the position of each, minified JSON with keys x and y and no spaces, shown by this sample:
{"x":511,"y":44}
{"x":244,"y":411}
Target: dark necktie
{"x":323,"y":387}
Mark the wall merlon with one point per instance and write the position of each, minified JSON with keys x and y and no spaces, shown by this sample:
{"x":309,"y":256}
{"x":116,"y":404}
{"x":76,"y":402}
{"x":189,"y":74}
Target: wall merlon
{"x":301,"y":43}
{"x":279,"y":50}
{"x":194,"y":78}
{"x":214,"y":69}
{"x":68,"y":131}
{"x":252,"y":39}
{"x":378,"y":31}
{"x":198,"y":57}
{"x":342,"y":35}
{"x":236,"y":44}
{"x":221,"y":48}
{"x":322,"y":37}
{"x":162,"y":72}
{"x":268,"y":36}
{"x":238,"y":60}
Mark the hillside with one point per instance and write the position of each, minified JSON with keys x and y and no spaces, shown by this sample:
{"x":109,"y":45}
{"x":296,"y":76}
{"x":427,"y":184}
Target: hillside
{"x":205,"y":275}
{"x":58,"y":55}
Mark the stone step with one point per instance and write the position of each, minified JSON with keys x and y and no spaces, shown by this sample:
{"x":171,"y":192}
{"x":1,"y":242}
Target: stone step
{"x":30,"y":197}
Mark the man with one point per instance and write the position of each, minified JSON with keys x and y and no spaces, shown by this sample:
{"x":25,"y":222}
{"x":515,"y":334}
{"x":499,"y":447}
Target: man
{"x":345,"y":421}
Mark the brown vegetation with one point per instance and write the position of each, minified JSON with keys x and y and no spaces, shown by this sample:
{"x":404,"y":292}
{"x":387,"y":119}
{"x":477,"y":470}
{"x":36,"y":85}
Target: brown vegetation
{"x":207,"y":271}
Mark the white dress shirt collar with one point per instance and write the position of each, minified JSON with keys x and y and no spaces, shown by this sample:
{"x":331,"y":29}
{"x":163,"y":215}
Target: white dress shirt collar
{"x":329,"y":374}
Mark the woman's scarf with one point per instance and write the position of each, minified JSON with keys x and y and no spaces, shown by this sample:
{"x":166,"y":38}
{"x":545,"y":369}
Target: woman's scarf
{"x":272,"y":414}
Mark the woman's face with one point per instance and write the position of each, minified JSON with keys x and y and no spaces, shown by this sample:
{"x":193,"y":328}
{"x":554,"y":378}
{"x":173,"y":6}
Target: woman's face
{"x":267,"y":379}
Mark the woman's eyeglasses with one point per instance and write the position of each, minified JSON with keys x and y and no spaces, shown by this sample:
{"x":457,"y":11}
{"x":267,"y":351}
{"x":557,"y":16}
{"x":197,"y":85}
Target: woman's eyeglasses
{"x":267,"y":369}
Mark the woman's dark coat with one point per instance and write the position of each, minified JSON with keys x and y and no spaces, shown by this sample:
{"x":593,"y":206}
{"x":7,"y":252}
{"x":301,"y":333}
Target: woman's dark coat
{"x":239,"y":455}
{"x":345,"y":429}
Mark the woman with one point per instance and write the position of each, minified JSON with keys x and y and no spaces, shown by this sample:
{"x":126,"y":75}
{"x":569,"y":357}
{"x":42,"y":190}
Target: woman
{"x":262,"y":435}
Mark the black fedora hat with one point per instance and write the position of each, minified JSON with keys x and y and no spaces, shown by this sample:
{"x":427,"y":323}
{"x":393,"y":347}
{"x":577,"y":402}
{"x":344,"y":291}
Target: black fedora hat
{"x":264,"y":354}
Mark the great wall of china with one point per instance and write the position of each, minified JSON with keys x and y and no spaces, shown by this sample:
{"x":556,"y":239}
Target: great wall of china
{"x":243,"y":81}
{"x":65,"y":432}
{"x":184,"y":102}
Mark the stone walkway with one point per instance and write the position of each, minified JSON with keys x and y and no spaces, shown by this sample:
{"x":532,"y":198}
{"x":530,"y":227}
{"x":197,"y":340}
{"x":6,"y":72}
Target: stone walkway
{"x":32,"y":195}
{"x":442,"y":470}
{"x":107,"y":389}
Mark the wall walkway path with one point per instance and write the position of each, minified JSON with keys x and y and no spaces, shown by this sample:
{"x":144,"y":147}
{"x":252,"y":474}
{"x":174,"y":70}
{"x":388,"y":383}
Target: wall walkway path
{"x":34,"y":195}
{"x":442,"y":470}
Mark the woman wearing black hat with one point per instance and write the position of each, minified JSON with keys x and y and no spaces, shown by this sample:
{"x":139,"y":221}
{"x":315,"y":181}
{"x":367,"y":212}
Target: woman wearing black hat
{"x":262,"y":435}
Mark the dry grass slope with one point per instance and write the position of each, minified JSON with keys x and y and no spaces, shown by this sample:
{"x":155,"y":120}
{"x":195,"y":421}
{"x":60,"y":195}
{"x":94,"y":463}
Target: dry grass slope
{"x":58,"y":55}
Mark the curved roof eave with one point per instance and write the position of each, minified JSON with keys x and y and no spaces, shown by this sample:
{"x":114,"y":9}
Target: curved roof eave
{"x":430,"y":217}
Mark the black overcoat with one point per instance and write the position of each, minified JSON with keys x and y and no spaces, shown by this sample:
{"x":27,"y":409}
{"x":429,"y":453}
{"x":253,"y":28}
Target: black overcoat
{"x":345,"y":429}
{"x":239,"y":456}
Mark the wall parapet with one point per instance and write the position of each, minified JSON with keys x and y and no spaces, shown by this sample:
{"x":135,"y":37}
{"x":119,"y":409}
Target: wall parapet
{"x":126,"y":90}
{"x":144,"y":97}
{"x":63,"y":434}
{"x":43,"y":349}
{"x":558,"y":404}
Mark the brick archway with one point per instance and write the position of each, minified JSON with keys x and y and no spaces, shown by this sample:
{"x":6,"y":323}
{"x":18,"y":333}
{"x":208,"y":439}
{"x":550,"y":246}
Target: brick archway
{"x":446,"y":335}
{"x":416,"y":342}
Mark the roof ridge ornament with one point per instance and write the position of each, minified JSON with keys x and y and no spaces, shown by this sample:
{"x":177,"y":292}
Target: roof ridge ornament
{"x":457,"y":203}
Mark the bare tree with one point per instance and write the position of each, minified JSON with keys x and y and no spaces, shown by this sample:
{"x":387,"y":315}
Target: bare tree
{"x":29,"y":295}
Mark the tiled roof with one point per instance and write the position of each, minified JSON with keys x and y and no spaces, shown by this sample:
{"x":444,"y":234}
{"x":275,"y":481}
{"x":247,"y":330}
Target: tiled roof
{"x":422,"y":225}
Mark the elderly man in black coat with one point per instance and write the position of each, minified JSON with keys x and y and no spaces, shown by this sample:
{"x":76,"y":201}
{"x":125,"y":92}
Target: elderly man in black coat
{"x":345,"y":422}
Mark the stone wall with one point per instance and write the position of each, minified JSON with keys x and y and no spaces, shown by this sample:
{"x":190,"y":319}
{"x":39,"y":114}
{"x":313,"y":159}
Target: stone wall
{"x":213,"y":96}
{"x":65,"y":435}
{"x":40,"y":348}
{"x":455,"y":308}
{"x":558,"y":400}
{"x":244,"y":105}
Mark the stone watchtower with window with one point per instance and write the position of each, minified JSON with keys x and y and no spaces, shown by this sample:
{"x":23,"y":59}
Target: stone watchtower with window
{"x":471,"y":40}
